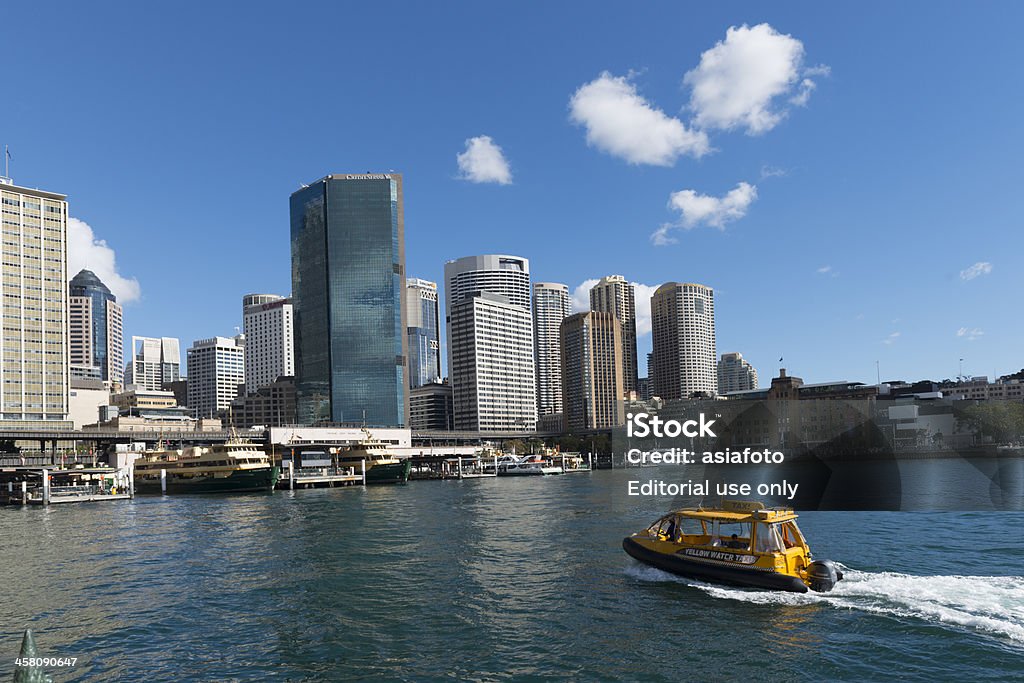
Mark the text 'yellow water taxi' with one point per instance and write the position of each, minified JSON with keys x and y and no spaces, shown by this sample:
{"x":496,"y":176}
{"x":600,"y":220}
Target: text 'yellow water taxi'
{"x":741,"y":543}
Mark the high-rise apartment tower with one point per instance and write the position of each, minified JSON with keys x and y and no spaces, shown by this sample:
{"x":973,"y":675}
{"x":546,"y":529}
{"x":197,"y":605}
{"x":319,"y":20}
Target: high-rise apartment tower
{"x":550,"y":307}
{"x":683,"y":330}
{"x":614,"y":294}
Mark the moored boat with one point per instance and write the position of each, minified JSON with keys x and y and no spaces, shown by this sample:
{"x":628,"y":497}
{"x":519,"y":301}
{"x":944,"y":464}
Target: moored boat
{"x":742,"y":543}
{"x":232,"y":467}
{"x":528,"y":465}
{"x":382,"y":467}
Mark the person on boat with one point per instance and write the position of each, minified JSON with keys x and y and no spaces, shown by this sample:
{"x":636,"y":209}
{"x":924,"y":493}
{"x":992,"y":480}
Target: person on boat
{"x":735,"y":542}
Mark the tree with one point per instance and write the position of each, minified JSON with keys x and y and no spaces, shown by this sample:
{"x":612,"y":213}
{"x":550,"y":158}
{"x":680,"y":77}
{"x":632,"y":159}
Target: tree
{"x":1000,"y":421}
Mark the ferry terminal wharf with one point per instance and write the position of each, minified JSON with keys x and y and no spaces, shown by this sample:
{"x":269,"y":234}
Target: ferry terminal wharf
{"x":442,"y":466}
{"x":50,"y":486}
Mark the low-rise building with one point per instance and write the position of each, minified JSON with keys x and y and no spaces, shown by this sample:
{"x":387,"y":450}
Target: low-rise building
{"x":87,"y":397}
{"x":430,"y":407}
{"x":272,"y":405}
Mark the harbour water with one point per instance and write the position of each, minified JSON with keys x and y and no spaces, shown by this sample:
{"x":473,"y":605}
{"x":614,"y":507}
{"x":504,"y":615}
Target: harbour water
{"x":490,"y":579}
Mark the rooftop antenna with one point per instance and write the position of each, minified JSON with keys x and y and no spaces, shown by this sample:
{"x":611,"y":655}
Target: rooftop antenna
{"x":7,"y":163}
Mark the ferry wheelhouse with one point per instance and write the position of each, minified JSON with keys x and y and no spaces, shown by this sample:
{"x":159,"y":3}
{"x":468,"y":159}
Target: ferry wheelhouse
{"x":742,"y":543}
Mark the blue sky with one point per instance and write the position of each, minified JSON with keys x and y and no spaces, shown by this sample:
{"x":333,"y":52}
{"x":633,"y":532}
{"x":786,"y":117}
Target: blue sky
{"x":178,"y":133}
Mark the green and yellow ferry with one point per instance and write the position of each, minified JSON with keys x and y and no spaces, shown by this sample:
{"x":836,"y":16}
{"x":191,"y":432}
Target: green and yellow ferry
{"x":742,"y":543}
{"x":382,"y":467}
{"x":232,"y":467}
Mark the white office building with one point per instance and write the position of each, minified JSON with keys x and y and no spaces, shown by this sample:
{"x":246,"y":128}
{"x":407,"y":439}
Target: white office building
{"x":216,"y":369}
{"x":34,"y":353}
{"x":501,"y":274}
{"x":683,"y":322}
{"x":269,"y":341}
{"x":492,"y":365}
{"x":550,"y":307}
{"x":735,"y":374}
{"x":155,"y":362}
{"x":487,"y":308}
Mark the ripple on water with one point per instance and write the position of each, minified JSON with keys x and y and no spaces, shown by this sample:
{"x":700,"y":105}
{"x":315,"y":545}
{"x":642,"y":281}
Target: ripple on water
{"x":480,"y":580}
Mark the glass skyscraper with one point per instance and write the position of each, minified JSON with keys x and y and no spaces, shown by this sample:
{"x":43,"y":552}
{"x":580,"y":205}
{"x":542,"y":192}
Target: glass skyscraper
{"x":424,"y":341}
{"x":348,"y":291}
{"x":97,"y":338}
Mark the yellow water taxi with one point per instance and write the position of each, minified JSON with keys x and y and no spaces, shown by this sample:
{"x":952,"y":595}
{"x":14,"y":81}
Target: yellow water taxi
{"x":741,"y":543}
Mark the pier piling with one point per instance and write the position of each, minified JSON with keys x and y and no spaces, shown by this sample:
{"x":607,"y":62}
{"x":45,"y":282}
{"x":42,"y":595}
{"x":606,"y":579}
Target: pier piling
{"x":163,"y":481}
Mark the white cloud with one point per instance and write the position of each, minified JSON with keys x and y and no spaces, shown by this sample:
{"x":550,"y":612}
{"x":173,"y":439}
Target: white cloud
{"x":891,"y":339}
{"x":772,"y":172}
{"x":85,"y":251}
{"x":738,"y":80}
{"x":661,"y":236}
{"x":827,"y":270}
{"x":978,"y":269}
{"x":483,"y":162}
{"x":701,"y":209}
{"x":581,"y":295}
{"x":622,"y":123}
{"x":970,"y":334}
{"x":641,"y":297}
{"x":807,"y":86}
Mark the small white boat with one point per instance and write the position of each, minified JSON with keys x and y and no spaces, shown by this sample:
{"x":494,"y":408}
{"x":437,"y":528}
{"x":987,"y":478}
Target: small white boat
{"x":528,"y":465}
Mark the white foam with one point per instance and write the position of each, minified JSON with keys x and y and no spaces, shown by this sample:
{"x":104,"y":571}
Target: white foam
{"x":985,"y":604}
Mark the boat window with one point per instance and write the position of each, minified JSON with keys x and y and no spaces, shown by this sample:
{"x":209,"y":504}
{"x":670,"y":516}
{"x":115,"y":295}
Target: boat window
{"x":791,"y":536}
{"x":768,"y":538}
{"x":688,"y":526}
{"x":733,"y":535}
{"x":663,"y":527}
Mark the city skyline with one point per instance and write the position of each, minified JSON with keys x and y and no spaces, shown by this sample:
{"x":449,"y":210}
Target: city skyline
{"x":836,"y":234}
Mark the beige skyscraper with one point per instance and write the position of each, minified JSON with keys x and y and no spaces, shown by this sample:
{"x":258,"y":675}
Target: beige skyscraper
{"x":683,"y":322}
{"x":592,"y":371}
{"x":614,"y":294}
{"x":34,"y":354}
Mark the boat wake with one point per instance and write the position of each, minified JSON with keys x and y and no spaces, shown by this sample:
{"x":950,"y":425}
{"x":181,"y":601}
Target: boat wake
{"x":992,"y":605}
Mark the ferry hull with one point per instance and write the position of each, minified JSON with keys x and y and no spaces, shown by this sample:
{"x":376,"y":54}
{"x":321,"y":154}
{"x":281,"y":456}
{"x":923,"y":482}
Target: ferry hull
{"x":717,"y":572}
{"x":240,"y":481}
{"x":394,"y":473}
